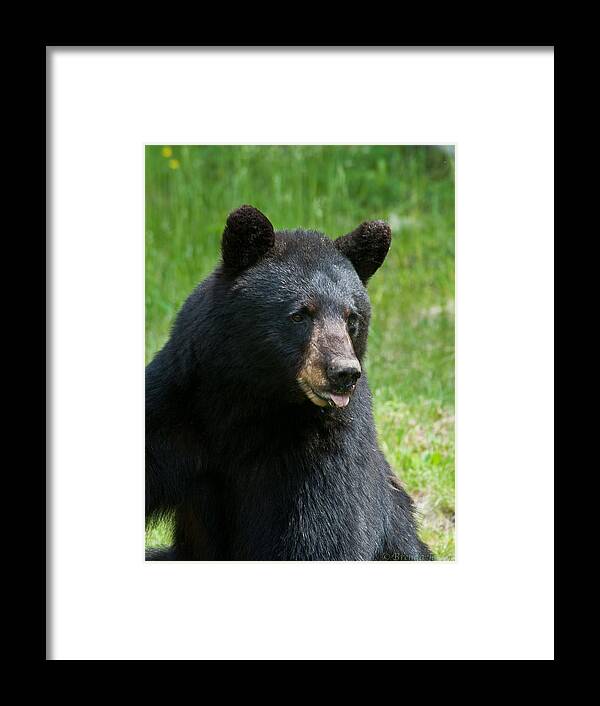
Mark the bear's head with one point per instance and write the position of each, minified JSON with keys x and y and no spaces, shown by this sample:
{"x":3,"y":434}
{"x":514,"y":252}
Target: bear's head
{"x":297,"y":307}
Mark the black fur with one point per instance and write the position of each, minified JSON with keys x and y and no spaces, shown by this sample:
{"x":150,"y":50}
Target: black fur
{"x":366,"y":247}
{"x":235,"y":451}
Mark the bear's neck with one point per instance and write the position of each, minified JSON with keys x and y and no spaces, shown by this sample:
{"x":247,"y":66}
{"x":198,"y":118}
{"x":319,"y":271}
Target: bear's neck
{"x":201,"y":409}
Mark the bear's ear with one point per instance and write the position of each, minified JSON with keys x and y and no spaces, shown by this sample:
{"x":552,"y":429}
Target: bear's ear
{"x":366,"y":247}
{"x":246,"y":238}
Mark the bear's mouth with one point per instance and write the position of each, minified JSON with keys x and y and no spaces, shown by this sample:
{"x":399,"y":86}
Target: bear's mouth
{"x":324,"y":398}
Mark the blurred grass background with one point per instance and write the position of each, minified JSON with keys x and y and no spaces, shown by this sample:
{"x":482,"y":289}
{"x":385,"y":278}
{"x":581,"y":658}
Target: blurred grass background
{"x":410,"y":362}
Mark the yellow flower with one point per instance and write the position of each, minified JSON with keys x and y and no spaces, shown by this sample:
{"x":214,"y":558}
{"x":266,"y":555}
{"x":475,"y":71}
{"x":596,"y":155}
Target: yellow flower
{"x":174,"y":163}
{"x":166,"y":151}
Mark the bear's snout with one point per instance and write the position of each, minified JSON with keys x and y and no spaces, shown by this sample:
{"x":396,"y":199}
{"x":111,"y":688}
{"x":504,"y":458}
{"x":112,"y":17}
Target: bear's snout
{"x":342,"y":373}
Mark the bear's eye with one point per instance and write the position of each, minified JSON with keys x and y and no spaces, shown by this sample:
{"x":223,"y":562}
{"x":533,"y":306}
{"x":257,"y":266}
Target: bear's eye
{"x":353,"y":323}
{"x":298,"y":317}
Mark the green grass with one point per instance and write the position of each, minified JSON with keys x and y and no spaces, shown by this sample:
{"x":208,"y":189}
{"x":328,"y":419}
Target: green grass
{"x":411,"y":346}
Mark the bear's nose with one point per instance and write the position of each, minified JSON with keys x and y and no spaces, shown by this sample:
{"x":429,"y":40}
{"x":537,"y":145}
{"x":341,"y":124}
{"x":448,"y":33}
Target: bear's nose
{"x":343,"y":374}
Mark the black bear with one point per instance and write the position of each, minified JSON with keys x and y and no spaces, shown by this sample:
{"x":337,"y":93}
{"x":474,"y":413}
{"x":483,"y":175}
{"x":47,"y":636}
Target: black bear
{"x":260,"y":440}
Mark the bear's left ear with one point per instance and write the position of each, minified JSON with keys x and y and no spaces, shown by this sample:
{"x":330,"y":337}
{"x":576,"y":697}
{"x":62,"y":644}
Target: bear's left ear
{"x":366,"y":247}
{"x":246,"y":238}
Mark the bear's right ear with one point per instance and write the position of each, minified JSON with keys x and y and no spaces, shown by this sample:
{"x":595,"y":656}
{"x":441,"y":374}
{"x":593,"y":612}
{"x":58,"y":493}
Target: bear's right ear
{"x":248,"y":235}
{"x":366,"y":247}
